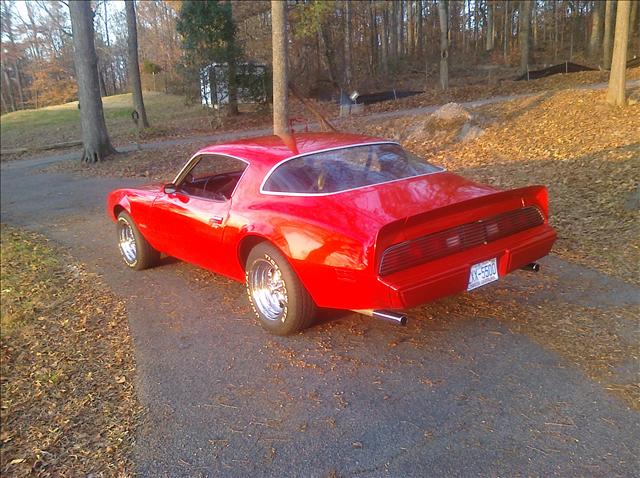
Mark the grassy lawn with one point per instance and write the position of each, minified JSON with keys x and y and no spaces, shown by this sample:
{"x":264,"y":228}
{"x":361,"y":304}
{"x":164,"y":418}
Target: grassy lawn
{"x":67,"y":369}
{"x":168,"y":115}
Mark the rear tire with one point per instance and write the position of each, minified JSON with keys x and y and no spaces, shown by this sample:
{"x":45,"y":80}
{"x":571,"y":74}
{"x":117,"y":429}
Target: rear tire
{"x":136,"y":252}
{"x":278,"y":298}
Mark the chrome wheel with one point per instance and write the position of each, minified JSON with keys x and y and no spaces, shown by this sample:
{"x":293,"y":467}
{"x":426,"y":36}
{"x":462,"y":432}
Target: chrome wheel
{"x":267,"y":289}
{"x":127,"y":241}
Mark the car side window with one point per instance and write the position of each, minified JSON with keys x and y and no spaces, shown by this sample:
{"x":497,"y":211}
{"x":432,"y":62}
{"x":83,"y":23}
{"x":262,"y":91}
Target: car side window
{"x":213,"y":177}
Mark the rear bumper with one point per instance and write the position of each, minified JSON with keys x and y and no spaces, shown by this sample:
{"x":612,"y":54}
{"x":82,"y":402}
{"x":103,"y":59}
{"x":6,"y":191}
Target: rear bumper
{"x":450,"y":275}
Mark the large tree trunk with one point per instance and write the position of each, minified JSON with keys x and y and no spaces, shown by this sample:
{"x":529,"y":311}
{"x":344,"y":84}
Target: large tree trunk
{"x":616,"y":90}
{"x":526,"y":7}
{"x":280,"y":67}
{"x":134,"y":68}
{"x":443,"y":15}
{"x":489,"y":39}
{"x":595,"y":40}
{"x":607,"y":43}
{"x":95,"y":138}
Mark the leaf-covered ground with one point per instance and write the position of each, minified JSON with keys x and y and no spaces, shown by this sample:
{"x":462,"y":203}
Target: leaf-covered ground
{"x":68,"y":401}
{"x":494,"y":87}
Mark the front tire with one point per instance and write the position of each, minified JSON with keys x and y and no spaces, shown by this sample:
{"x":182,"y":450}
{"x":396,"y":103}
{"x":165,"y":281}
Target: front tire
{"x":136,"y":252}
{"x":278,"y":298}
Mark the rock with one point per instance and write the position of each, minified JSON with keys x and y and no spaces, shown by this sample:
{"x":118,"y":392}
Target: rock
{"x":450,"y":112}
{"x":469,"y":132}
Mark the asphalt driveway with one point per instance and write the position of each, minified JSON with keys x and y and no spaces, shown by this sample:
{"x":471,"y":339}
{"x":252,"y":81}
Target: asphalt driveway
{"x":452,"y":394}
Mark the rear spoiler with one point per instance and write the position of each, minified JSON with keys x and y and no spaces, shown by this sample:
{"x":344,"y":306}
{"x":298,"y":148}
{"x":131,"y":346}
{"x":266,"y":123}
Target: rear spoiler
{"x":461,"y":212}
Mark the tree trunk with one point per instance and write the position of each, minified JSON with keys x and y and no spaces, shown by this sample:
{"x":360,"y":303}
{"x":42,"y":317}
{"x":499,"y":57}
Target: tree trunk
{"x":232,"y":74}
{"x":489,"y":40}
{"x":232,"y":80}
{"x":419,"y":29}
{"x":555,"y":31}
{"x":633,"y":21}
{"x":607,"y":43}
{"x":347,"y":44}
{"x":401,"y":43}
{"x":410,"y":28}
{"x":9,"y":89}
{"x":595,"y":40}
{"x":393,"y":25}
{"x":616,"y":90}
{"x":507,"y":31}
{"x":95,"y":138}
{"x":526,"y":7}
{"x":134,"y":68}
{"x":280,"y":67}
{"x":443,"y":15}
{"x":384,"y":41}
{"x":373,"y":37}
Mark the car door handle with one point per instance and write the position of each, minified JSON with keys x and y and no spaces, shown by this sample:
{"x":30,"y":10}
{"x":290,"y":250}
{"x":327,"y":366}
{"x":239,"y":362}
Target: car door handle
{"x":216,"y":221}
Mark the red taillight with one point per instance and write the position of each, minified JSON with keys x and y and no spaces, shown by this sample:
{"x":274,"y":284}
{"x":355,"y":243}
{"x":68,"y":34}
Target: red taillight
{"x":433,"y":246}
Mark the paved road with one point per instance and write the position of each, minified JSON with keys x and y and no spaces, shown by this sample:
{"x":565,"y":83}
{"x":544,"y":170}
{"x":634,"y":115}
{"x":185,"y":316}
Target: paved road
{"x":456,"y":393}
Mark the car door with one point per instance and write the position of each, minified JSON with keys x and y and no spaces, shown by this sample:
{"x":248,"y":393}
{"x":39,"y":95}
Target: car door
{"x":191,"y":215}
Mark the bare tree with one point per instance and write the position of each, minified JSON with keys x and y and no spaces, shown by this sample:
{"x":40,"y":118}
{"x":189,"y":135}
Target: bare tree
{"x":95,"y":138}
{"x":607,"y":44}
{"x":595,"y":40}
{"x":616,"y":90}
{"x":443,"y":15}
{"x":347,"y":45}
{"x":490,"y":27}
{"x":134,"y":67}
{"x":526,"y":7}
{"x":280,"y":67}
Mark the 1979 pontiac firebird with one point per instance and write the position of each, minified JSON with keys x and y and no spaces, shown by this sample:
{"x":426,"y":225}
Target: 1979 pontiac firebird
{"x":332,"y":220}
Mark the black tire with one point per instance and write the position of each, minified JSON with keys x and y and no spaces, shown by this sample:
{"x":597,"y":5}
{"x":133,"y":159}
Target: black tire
{"x":144,"y":255}
{"x":297,"y":312}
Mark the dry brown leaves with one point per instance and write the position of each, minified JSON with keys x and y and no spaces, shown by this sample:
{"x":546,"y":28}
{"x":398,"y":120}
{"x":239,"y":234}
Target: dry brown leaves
{"x":489,"y":88}
{"x":68,"y":401}
{"x":585,"y":151}
{"x":157,"y":165}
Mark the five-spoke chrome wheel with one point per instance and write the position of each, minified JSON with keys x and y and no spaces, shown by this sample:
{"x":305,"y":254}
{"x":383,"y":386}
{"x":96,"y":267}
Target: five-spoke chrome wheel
{"x":127,"y":241}
{"x":267,"y":289}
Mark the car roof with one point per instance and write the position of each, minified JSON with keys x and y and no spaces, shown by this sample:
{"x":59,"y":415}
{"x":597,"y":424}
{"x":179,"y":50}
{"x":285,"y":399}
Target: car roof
{"x":270,"y":150}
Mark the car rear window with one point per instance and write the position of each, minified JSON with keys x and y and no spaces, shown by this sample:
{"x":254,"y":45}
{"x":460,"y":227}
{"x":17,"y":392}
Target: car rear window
{"x":346,"y":168}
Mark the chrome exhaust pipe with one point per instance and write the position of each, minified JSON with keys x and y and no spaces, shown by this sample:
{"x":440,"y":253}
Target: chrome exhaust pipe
{"x":388,"y":315}
{"x":533,"y":267}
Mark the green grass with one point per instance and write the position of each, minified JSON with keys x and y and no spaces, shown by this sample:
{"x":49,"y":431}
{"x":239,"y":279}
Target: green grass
{"x":55,"y":124}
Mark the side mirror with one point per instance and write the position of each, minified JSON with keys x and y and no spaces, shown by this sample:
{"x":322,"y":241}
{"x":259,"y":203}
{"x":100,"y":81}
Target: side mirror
{"x":169,"y":188}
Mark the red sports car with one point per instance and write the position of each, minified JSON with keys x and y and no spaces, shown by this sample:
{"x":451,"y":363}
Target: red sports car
{"x":332,"y":220}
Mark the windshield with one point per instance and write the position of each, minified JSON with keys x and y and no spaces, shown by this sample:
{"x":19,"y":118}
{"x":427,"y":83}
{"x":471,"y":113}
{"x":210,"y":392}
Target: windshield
{"x":346,"y":168}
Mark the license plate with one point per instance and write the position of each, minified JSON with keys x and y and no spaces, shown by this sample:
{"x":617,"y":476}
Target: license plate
{"x":483,"y":273}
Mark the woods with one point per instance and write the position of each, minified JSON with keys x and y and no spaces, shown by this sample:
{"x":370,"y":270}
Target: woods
{"x":367,"y":45}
